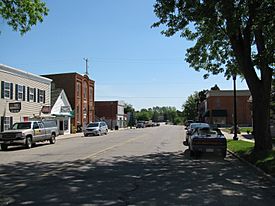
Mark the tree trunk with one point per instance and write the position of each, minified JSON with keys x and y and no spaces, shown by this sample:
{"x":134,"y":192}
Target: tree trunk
{"x":261,"y":120}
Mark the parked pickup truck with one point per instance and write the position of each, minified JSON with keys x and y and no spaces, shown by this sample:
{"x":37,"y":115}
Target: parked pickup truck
{"x":28,"y":133}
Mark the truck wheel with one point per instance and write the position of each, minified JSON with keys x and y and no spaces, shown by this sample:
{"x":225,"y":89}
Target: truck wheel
{"x":28,"y":143}
{"x":52,"y":140}
{"x":4,"y":147}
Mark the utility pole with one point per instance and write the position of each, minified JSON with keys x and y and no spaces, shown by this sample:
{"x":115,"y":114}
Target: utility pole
{"x":86,"y":60}
{"x":235,"y":137}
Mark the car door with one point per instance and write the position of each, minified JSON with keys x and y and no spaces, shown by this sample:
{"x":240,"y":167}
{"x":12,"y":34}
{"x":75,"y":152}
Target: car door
{"x":42,"y":132}
{"x":36,"y":132}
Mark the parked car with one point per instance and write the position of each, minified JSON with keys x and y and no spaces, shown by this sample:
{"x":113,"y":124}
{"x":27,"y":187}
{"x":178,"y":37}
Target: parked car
{"x":140,"y":125}
{"x":96,"y":128}
{"x":28,"y":133}
{"x":191,"y":128}
{"x":205,"y":139}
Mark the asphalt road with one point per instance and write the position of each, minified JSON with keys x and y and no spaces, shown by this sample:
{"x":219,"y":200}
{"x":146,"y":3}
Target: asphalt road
{"x":131,"y":167}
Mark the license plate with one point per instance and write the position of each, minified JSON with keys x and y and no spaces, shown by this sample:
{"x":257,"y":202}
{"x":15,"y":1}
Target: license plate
{"x":209,"y":150}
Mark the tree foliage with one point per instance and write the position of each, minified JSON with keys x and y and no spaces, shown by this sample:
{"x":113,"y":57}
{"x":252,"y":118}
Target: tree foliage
{"x":231,"y":37}
{"x":159,"y":114}
{"x":21,"y":15}
{"x":190,"y":107}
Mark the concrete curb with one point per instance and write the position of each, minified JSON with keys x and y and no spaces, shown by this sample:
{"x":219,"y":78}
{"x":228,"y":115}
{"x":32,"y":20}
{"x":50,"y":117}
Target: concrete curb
{"x":266,"y":175}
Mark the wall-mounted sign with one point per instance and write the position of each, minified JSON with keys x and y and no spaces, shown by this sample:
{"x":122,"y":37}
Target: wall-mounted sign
{"x":15,"y":107}
{"x":46,"y":109}
{"x":65,"y":109}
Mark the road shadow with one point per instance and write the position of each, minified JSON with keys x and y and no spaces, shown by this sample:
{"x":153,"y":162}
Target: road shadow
{"x":171,"y":178}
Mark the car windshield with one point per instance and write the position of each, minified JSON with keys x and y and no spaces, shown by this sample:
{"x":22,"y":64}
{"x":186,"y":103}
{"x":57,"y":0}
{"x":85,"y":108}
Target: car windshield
{"x":93,"y":125}
{"x":22,"y":125}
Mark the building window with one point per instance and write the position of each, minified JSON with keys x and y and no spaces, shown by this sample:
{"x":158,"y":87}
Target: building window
{"x":20,"y":92}
{"x":91,"y":94}
{"x":31,"y":94}
{"x":7,"y":123}
{"x":85,"y":90}
{"x":7,"y":89}
{"x":78,"y":89}
{"x":77,"y":113}
{"x":41,"y":96}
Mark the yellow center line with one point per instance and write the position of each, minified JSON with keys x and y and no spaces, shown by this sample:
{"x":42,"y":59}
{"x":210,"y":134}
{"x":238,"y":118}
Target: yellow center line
{"x":91,"y":156}
{"x":94,"y":155}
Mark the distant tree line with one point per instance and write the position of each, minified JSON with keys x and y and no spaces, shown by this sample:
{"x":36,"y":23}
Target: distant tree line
{"x":156,"y":114}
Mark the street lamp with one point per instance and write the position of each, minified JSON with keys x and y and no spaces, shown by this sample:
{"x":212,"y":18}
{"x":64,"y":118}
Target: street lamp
{"x":235,"y":137}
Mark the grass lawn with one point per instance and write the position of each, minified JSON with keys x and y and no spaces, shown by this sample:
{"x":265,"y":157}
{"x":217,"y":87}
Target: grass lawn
{"x":264,"y":160}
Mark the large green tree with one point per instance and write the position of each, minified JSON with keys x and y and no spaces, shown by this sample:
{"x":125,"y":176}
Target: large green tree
{"x":21,"y":15}
{"x":190,"y":107}
{"x":231,"y":36}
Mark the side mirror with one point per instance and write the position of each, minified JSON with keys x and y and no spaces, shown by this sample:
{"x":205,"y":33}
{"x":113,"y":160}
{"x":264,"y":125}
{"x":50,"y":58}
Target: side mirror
{"x":185,"y":143}
{"x":186,"y":128}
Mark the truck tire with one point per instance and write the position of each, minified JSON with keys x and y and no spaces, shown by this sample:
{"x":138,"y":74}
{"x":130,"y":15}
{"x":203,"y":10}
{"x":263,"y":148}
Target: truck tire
{"x":28,"y":143}
{"x":4,"y":147}
{"x":52,"y":140}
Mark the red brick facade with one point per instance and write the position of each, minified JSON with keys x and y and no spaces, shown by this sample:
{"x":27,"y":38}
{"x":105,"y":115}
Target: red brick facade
{"x":80,"y":92}
{"x":106,"y":109}
{"x":219,"y":107}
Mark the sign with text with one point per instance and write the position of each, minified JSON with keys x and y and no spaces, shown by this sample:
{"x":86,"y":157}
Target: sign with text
{"x":15,"y":107}
{"x":46,"y":109}
{"x":65,"y":109}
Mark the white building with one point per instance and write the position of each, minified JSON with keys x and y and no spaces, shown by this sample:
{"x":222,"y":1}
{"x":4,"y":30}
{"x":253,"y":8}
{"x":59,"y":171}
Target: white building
{"x":23,"y":96}
{"x":61,"y":109}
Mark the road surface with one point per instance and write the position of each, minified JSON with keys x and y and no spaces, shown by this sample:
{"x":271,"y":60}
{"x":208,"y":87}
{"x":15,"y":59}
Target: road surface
{"x":131,"y":167}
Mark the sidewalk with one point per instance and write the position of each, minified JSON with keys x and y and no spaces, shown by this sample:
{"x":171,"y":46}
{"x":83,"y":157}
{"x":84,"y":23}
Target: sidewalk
{"x":68,"y":136}
{"x":80,"y":134}
{"x":242,"y":136}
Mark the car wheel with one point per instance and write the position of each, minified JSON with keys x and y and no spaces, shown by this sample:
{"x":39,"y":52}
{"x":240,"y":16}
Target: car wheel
{"x":28,"y":143}
{"x":4,"y":147}
{"x":224,"y":153}
{"x":52,"y":140}
{"x":86,"y":135}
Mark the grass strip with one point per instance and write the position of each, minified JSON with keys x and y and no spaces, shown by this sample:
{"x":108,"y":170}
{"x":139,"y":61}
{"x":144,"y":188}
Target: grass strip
{"x":264,"y":160}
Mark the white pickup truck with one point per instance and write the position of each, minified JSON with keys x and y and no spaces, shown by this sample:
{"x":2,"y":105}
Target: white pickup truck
{"x":28,"y":133}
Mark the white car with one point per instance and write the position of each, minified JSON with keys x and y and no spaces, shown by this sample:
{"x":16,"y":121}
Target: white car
{"x":96,"y":128}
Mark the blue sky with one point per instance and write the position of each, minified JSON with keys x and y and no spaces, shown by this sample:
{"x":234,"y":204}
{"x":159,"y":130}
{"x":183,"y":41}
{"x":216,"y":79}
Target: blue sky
{"x":127,"y":59}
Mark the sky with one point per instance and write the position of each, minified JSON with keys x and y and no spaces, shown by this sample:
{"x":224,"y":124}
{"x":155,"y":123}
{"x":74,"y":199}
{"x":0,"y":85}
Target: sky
{"x":128,"y":60}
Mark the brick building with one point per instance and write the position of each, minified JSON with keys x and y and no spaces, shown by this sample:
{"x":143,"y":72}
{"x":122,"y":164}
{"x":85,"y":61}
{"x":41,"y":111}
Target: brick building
{"x":112,"y":112}
{"x":80,"y":92}
{"x":218,"y":108}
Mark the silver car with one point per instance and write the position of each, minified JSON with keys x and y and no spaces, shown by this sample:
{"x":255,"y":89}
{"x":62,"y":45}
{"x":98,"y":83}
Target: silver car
{"x":96,"y":128}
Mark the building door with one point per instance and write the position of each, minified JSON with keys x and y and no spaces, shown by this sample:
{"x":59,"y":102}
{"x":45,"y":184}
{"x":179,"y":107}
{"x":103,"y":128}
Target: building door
{"x":61,"y":127}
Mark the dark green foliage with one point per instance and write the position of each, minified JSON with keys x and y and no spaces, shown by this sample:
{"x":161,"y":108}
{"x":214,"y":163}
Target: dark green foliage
{"x":190,"y":107}
{"x":231,"y":37}
{"x":21,"y":15}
